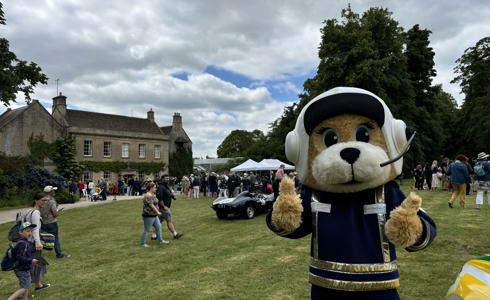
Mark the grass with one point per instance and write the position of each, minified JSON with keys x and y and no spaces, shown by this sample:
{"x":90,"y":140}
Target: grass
{"x":229,"y":259}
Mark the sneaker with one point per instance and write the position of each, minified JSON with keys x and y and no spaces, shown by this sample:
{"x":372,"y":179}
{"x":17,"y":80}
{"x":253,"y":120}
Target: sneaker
{"x":63,"y":255}
{"x":450,"y":204}
{"x":154,"y":236}
{"x":178,"y":235}
{"x":43,"y":287}
{"x":145,"y":246}
{"x":164,"y":242}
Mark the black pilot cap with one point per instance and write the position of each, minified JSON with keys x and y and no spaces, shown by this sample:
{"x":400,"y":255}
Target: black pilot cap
{"x":345,"y":103}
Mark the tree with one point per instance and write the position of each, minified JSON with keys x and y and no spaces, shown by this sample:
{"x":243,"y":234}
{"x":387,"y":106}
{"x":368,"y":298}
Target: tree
{"x":16,"y":75}
{"x":64,"y":158}
{"x":373,"y":52}
{"x":473,"y":75}
{"x":238,"y":142}
{"x":181,"y":162}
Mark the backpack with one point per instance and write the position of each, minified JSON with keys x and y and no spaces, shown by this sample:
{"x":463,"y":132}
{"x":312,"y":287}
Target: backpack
{"x":8,"y":261}
{"x":13,"y":234}
{"x":479,"y":170}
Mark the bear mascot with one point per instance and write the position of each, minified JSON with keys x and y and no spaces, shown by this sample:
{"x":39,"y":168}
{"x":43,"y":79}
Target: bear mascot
{"x":348,"y":149}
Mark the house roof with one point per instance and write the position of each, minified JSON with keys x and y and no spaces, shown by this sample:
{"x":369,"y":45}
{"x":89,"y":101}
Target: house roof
{"x":85,"y":119}
{"x":11,"y":114}
{"x":166,"y":129}
{"x":182,"y":138}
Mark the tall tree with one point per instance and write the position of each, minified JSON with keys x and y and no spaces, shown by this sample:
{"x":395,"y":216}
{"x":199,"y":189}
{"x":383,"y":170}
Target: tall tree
{"x":180,"y":162}
{"x":16,"y":75}
{"x":432,"y":106}
{"x":238,"y":142}
{"x":64,"y":158}
{"x":473,"y":75}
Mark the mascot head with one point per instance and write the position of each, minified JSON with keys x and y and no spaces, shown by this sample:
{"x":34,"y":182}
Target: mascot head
{"x":346,"y":140}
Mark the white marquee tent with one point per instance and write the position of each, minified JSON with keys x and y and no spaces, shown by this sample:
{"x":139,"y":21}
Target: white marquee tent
{"x":249,"y":165}
{"x":273,"y":164}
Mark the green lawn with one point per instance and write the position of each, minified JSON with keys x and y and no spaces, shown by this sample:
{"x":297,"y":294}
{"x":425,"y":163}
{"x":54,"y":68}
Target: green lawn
{"x":229,"y":259}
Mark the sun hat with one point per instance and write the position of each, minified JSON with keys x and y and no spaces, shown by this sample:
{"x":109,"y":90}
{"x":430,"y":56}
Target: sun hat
{"x":49,"y":188}
{"x":26,"y":225}
{"x":482,"y":155}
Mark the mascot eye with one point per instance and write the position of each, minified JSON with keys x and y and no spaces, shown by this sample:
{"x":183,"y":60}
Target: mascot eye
{"x":330,"y":137}
{"x":362,"y":134}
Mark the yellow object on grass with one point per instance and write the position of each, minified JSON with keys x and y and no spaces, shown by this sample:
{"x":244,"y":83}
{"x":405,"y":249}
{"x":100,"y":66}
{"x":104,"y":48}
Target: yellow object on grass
{"x":473,"y":282}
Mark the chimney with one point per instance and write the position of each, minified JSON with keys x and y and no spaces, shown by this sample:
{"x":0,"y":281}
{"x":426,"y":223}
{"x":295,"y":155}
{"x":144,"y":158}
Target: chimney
{"x":151,"y":115}
{"x":59,"y":104}
{"x":177,"y":121}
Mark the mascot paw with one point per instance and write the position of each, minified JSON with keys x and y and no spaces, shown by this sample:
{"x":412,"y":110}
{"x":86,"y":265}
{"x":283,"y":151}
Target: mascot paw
{"x":286,"y":212}
{"x":404,"y":227}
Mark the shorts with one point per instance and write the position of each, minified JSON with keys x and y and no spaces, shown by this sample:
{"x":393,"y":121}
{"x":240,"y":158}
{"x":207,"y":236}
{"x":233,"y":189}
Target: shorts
{"x":24,"y":278}
{"x":166,"y":215}
{"x":213,"y":188}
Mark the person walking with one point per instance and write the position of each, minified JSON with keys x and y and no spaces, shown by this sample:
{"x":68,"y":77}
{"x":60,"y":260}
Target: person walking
{"x":459,"y":175}
{"x":482,"y":178}
{"x":150,"y":215}
{"x":165,"y":197}
{"x":49,"y":214}
{"x":33,"y":216}
{"x":23,"y":256}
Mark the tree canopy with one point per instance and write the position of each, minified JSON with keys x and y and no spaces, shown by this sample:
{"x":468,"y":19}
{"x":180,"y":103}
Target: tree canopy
{"x":16,"y":75}
{"x":473,"y":75}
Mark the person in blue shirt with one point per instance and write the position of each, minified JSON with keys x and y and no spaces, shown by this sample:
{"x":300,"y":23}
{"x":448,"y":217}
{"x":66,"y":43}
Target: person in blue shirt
{"x":459,"y":178}
{"x":22,"y":254}
{"x":482,"y":182}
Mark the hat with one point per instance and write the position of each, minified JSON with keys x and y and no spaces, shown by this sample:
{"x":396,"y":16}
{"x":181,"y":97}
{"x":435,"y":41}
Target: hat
{"x":482,"y":155}
{"x":26,"y":225}
{"x":49,"y":188}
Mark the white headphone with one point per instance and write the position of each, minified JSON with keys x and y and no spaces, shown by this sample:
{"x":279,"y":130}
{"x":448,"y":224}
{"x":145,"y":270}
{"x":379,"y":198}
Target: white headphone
{"x":395,"y":131}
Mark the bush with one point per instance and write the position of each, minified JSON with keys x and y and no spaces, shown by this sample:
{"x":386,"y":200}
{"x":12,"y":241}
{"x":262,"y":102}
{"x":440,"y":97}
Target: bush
{"x":18,"y":189}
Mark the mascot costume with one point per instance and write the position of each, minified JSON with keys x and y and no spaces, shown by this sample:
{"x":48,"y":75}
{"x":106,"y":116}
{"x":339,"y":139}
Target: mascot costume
{"x":347,"y":148}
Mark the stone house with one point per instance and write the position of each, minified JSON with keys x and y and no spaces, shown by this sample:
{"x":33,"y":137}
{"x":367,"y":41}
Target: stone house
{"x":98,"y":137}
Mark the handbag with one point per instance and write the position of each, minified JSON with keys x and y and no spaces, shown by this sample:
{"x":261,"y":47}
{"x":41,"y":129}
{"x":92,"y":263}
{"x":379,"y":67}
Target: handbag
{"x":47,"y":240}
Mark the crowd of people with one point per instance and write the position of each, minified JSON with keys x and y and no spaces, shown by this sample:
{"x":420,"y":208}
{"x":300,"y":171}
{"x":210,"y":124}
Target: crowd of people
{"x":459,"y":177}
{"x":215,"y":185}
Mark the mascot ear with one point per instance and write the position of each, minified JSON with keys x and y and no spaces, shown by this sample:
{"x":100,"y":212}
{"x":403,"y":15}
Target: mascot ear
{"x":292,"y":147}
{"x":400,"y":135}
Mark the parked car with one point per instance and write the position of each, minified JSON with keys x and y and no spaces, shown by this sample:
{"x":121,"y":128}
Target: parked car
{"x":246,"y":204}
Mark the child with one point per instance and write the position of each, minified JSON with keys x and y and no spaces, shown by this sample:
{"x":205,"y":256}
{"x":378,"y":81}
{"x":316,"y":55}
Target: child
{"x":22,"y":253}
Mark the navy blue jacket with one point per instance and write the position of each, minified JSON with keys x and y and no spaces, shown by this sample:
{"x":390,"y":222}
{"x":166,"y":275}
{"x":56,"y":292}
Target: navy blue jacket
{"x":23,"y":252}
{"x":350,"y":256}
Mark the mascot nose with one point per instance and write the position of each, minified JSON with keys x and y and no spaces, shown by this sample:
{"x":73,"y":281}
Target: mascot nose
{"x":350,"y":155}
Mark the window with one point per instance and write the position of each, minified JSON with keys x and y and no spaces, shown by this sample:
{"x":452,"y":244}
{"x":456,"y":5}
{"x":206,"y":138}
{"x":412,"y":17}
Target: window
{"x":107,"y":174}
{"x":87,"y":148}
{"x":87,"y":175}
{"x":141,"y":175}
{"x":141,"y":150}
{"x":125,"y":150}
{"x":156,"y":151}
{"x":107,"y":149}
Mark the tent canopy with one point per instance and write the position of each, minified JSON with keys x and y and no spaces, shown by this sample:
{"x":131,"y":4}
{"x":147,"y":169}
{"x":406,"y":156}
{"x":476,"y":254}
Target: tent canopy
{"x":249,"y":165}
{"x":273,"y":164}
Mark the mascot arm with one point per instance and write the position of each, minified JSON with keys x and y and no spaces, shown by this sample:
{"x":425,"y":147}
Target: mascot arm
{"x":409,"y":226}
{"x":285,"y":216}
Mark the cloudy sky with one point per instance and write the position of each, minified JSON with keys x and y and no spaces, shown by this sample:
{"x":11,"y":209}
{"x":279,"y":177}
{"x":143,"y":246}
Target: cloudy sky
{"x":224,"y":65}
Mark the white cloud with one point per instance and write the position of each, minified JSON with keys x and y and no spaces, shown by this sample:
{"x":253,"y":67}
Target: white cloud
{"x":119,"y":57}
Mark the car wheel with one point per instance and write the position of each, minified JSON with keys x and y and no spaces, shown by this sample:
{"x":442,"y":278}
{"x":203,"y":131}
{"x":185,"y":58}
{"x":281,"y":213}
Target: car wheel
{"x":250,"y":212}
{"x":221,"y":215}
